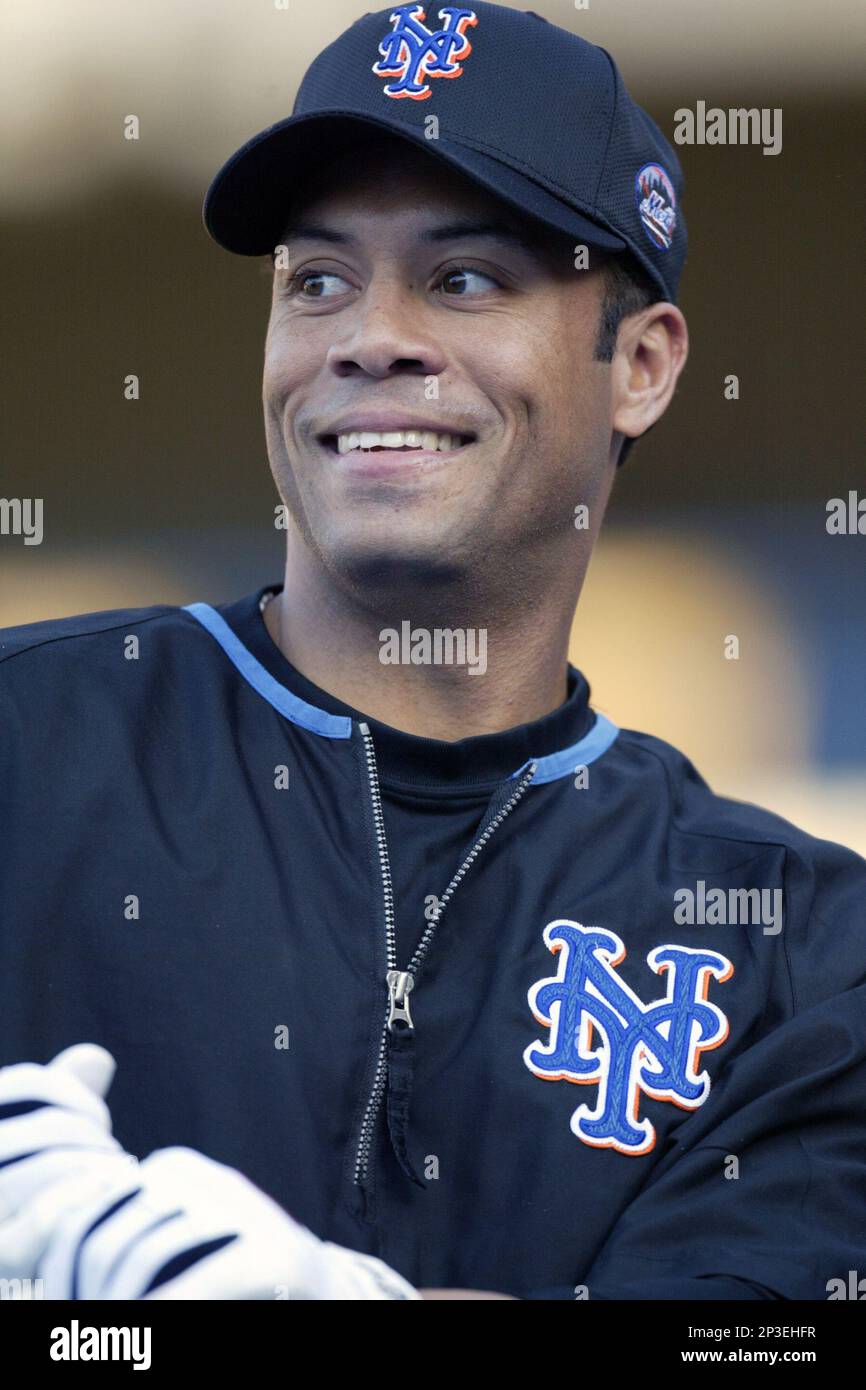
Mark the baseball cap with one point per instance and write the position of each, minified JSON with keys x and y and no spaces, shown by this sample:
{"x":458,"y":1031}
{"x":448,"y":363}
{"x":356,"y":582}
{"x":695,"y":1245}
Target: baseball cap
{"x":534,"y":114}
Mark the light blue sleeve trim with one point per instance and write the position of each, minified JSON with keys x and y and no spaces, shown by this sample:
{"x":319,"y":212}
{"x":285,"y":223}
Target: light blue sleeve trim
{"x":580,"y":754}
{"x":318,"y":721}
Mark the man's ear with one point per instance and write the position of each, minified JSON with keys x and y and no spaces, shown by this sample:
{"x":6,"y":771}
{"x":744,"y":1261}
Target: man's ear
{"x":651,"y":351}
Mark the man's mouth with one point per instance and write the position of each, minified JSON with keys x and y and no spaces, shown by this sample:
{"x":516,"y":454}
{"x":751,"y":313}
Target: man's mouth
{"x":405,"y":441}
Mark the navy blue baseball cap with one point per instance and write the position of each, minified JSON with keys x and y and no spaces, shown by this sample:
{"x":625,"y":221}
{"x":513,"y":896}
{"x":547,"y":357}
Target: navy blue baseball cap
{"x":532,"y":113}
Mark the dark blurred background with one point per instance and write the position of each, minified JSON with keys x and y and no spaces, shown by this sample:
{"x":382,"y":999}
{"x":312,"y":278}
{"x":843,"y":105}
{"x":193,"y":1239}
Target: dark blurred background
{"x":718,"y":521}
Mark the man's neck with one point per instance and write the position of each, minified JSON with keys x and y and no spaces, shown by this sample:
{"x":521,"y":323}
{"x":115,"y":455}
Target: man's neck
{"x":519,"y":657}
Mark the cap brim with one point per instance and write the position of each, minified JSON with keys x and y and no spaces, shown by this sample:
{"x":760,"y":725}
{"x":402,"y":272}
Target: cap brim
{"x":246,"y":206}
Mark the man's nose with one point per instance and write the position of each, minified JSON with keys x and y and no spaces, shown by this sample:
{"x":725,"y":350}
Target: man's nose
{"x":386,"y":334}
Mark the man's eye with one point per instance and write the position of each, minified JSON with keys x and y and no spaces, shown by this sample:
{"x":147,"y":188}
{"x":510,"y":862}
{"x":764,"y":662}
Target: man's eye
{"x":317,"y":281}
{"x":464,"y":279}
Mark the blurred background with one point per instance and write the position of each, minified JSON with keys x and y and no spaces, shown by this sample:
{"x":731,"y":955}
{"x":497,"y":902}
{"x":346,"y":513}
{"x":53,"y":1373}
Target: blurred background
{"x":718,"y":521}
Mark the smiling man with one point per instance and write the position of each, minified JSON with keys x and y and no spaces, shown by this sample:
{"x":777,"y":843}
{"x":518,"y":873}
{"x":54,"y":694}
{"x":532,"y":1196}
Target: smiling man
{"x":349,"y":924}
{"x":437,"y":402}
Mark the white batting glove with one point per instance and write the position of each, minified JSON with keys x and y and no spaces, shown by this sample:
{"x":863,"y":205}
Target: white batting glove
{"x":56,"y":1150}
{"x":200,"y":1230}
{"x":94,"y":1223}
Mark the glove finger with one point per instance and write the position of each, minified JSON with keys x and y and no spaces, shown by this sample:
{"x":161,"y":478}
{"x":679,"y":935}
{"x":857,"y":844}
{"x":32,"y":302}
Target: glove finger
{"x":238,"y":1271}
{"x":25,"y":1235}
{"x":49,"y":1128}
{"x":172,"y":1241}
{"x":22,"y":1181}
{"x":115,"y":1246}
{"x":93,"y":1066}
{"x":71,"y":1226}
{"x":22,"y":1244}
{"x":195,"y":1182}
{"x":289,"y":1265}
{"x":29,"y":1083}
{"x":273,"y":1252}
{"x":188,"y":1204}
{"x":354,"y":1276}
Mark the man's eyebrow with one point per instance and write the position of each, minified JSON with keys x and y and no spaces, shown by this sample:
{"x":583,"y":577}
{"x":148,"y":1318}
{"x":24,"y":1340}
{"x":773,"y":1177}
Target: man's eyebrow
{"x":309,"y":231}
{"x":498,"y":231}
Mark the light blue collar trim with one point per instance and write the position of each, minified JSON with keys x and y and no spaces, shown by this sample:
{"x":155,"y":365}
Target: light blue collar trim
{"x":580,"y":754}
{"x":318,"y":721}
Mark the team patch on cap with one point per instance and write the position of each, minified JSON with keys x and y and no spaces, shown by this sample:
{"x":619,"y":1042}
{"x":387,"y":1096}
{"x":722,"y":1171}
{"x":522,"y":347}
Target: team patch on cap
{"x":657,"y":205}
{"x":412,"y":53}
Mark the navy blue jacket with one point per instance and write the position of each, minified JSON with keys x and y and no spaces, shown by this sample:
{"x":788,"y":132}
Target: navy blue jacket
{"x":609,"y":1067}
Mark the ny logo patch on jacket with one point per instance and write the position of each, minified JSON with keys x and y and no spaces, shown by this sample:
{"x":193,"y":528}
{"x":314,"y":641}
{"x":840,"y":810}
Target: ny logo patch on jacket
{"x":651,"y":1048}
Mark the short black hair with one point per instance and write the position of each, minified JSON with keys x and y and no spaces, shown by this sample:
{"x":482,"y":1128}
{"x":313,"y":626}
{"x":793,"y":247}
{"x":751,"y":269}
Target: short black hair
{"x":627,"y":290}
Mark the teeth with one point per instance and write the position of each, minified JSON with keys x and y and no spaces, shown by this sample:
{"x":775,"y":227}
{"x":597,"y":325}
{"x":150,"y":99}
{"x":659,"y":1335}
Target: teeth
{"x":397,"y":439}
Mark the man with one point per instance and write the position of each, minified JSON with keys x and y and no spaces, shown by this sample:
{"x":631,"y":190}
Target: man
{"x":347,"y":876}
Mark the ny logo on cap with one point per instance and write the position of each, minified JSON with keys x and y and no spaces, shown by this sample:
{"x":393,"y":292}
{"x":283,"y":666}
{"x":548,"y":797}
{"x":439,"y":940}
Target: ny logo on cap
{"x":412,"y":52}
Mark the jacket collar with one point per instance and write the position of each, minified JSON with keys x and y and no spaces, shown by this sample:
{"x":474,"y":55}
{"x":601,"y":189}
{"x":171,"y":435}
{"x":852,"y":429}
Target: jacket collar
{"x":570,"y":736}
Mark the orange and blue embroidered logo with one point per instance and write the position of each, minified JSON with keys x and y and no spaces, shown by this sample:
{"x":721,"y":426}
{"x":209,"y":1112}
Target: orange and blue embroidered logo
{"x":652,"y":1049}
{"x":412,"y":53}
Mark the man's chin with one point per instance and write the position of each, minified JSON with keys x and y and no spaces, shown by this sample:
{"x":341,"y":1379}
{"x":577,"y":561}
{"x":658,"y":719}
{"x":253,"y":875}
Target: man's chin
{"x":377,"y":562}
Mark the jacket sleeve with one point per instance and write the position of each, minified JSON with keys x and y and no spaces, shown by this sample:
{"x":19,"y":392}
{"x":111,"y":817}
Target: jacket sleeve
{"x":763,"y":1193}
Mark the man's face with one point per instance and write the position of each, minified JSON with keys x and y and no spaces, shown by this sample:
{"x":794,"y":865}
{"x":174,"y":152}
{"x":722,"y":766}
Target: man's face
{"x":417,"y":311}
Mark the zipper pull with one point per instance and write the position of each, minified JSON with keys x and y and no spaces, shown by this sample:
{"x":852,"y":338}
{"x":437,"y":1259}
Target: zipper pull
{"x":400,"y":1063}
{"x":400,"y":985}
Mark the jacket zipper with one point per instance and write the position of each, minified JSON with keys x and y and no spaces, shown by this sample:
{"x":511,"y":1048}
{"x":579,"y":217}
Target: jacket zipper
{"x":400,"y":983}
